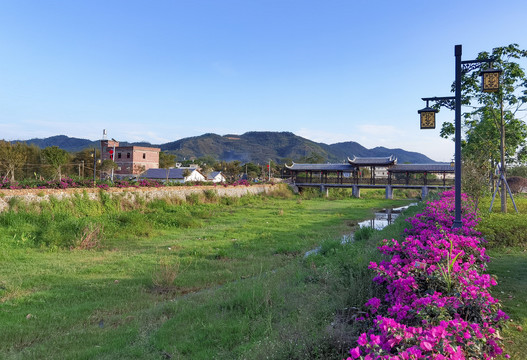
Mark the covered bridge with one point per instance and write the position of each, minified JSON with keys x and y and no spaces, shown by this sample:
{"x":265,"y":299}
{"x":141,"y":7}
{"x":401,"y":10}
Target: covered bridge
{"x":383,"y":172}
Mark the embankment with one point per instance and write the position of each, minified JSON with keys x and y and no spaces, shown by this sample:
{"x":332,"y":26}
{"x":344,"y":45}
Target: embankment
{"x":145,"y":193}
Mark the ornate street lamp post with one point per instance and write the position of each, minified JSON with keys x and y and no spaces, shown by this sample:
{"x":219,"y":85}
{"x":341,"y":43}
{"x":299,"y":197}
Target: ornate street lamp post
{"x":428,"y":117}
{"x":490,"y":83}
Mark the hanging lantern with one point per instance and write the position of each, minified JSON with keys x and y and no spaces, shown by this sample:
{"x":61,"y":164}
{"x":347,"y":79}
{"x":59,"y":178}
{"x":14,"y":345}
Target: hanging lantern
{"x":428,"y":117}
{"x":490,"y":80}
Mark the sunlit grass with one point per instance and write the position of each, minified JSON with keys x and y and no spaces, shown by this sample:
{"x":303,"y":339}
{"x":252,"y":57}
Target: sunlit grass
{"x":241,"y":282}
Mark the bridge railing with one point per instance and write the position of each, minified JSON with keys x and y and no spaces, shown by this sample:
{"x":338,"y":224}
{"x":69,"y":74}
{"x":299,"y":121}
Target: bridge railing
{"x":376,"y":181}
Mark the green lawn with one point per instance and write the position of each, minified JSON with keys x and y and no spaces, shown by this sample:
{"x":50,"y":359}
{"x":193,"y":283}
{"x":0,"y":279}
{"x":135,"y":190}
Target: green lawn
{"x":242,"y":288}
{"x":507,"y":248}
{"x":510,"y":267}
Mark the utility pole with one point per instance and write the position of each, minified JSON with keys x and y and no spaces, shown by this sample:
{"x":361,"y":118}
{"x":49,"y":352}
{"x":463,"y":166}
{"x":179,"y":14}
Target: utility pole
{"x":502,"y":158}
{"x":113,"y":155}
{"x":94,"y":165}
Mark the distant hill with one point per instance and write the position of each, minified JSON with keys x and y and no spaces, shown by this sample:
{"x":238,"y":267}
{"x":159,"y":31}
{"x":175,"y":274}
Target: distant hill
{"x":403,"y":156}
{"x":72,"y":144}
{"x":63,"y":142}
{"x":259,"y":147}
{"x":255,"y":146}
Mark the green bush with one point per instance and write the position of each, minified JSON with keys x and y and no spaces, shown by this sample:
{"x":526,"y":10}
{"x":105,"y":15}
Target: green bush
{"x":364,"y":233}
{"x":282,"y":192}
{"x":193,"y":198}
{"x":210,"y":195}
{"x":329,"y":246}
{"x":229,"y":200}
{"x":310,"y":193}
{"x":504,"y":229}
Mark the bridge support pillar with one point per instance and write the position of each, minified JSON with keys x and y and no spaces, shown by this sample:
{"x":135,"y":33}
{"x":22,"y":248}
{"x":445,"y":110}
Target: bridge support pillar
{"x":424,"y":192}
{"x":355,"y":192}
{"x":389,"y":192}
{"x":324,"y":189}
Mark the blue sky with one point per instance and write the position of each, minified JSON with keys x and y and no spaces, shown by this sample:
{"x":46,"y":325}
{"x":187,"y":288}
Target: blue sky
{"x":159,"y":71}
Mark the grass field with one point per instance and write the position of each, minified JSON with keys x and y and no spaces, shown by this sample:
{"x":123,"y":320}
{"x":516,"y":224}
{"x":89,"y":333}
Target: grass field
{"x":508,"y":252}
{"x":223,"y":278}
{"x":209,"y":278}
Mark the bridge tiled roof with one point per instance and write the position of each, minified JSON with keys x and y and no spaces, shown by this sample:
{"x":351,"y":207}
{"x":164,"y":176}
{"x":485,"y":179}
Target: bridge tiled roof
{"x":373,"y":161}
{"x":447,"y":168}
{"x":321,"y":167}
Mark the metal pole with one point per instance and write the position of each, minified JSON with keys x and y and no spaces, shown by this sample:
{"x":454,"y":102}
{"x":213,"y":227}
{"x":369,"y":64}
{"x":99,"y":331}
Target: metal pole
{"x":113,"y":157}
{"x":457,"y":221}
{"x":503,"y":166}
{"x":94,"y":164}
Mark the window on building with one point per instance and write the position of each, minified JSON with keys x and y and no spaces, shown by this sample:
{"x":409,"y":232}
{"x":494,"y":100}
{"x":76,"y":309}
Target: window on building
{"x":128,"y":155}
{"x":144,"y":155}
{"x":118,"y":155}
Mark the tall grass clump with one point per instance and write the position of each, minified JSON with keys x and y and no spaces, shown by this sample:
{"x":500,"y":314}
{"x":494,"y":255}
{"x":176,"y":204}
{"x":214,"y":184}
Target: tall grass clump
{"x":211,"y":196}
{"x":90,"y":238}
{"x":81,"y":223}
{"x":282,"y":192}
{"x":310,"y":193}
{"x":339,"y":194}
{"x":193,"y":198}
{"x":167,"y":271}
{"x":363,"y":233}
{"x":84,"y":206}
{"x":229,"y":200}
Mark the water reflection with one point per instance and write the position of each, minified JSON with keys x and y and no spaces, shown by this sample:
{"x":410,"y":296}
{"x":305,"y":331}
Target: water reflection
{"x":383,"y":218}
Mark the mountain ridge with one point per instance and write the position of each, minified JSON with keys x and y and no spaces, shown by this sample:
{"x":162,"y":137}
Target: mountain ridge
{"x":252,"y":146}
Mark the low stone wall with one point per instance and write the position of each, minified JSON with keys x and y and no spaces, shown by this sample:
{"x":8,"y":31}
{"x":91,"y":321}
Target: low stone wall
{"x":146,"y":193}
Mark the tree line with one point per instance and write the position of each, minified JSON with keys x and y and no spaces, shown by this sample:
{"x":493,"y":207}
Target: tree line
{"x":494,"y":128}
{"x":21,"y":161}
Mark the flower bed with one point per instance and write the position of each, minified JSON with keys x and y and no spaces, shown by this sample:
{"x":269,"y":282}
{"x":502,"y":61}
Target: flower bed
{"x":437,"y":302}
{"x":68,"y":183}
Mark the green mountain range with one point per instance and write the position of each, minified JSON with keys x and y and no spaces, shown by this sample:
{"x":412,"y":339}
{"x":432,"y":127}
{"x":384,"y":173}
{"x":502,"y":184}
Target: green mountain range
{"x":254,"y":146}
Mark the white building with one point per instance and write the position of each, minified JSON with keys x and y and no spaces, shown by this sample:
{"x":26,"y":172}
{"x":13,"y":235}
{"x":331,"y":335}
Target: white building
{"x":181,"y":175}
{"x":216,"y":177}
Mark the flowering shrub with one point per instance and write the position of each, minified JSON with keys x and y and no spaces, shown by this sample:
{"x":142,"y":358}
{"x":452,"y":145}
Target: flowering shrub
{"x":437,"y":301}
{"x":67,"y":183}
{"x":241,"y":183}
{"x":6,"y":184}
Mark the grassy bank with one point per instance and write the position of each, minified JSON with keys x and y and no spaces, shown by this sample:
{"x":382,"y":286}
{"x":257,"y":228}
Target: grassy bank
{"x":507,"y":244}
{"x":206,"y":278}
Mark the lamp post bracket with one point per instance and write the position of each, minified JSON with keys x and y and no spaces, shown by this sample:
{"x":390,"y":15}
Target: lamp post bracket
{"x":447,"y":101}
{"x":435,"y":98}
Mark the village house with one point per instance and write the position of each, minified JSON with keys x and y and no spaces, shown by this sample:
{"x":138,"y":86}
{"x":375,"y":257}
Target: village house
{"x":131,"y":160}
{"x":216,"y":177}
{"x":181,"y":175}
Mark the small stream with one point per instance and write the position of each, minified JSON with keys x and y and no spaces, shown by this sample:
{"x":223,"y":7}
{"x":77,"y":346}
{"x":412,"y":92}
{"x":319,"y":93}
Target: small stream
{"x":382,"y":219}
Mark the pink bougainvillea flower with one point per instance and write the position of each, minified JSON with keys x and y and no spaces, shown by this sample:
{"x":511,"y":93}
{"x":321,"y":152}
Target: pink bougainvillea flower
{"x":435,"y":273}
